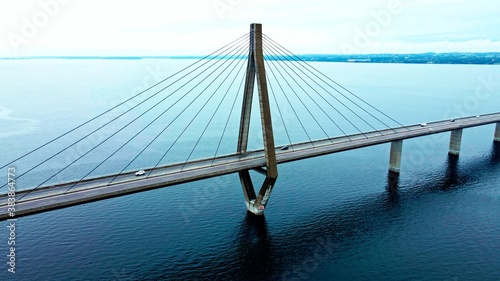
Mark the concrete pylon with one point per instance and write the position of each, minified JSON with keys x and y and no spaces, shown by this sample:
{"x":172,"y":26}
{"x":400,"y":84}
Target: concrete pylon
{"x":395,"y":156}
{"x":497,"y":132}
{"x":455,"y":142}
{"x":256,"y":203}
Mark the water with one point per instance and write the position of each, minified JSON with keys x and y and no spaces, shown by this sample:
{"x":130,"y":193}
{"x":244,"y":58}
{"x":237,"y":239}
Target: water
{"x":329,"y":218}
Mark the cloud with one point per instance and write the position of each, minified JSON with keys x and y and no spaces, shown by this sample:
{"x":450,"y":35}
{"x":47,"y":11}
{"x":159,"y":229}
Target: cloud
{"x":153,"y":27}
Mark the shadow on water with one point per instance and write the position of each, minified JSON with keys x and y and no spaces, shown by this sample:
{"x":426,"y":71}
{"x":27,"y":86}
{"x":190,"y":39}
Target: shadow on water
{"x":253,"y":248}
{"x":451,"y":177}
{"x":298,"y":250}
{"x":393,"y":199}
{"x":458,"y":174}
{"x":392,"y":182}
{"x":495,"y":155}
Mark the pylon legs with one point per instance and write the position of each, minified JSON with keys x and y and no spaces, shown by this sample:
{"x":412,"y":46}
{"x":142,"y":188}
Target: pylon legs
{"x":256,"y":204}
{"x":246,"y":184}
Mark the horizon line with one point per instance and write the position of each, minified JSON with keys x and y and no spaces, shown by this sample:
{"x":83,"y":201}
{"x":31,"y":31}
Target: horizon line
{"x":201,"y":56}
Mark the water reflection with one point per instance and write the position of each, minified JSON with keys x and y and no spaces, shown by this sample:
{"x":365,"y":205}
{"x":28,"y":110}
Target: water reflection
{"x":392,"y":195}
{"x":292,"y":250}
{"x":451,"y":176}
{"x":392,"y":182}
{"x":495,"y":152}
{"x":254,"y":248}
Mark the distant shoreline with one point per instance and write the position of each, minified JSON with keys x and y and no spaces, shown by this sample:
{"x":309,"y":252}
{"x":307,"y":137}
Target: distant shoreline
{"x":492,"y":58}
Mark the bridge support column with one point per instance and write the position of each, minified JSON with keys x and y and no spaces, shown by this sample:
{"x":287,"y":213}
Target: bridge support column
{"x":497,"y":132}
{"x":455,"y":142}
{"x":256,"y":203}
{"x":395,"y":157}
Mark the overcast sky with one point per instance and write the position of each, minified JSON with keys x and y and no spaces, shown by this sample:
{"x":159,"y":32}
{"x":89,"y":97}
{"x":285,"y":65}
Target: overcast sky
{"x":197,"y":27}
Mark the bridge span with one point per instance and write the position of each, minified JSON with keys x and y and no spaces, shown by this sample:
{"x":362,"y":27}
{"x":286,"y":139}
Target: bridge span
{"x":53,"y":197}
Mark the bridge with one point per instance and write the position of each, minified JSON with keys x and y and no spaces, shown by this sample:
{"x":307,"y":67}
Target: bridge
{"x":48,"y":194}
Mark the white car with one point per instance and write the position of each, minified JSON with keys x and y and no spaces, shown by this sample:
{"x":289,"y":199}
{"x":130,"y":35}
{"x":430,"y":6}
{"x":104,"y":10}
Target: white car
{"x":423,"y":124}
{"x":140,"y":173}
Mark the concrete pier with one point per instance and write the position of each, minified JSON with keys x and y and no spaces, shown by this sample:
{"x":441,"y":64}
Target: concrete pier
{"x":395,"y":157}
{"x":455,"y":142}
{"x":497,"y":132}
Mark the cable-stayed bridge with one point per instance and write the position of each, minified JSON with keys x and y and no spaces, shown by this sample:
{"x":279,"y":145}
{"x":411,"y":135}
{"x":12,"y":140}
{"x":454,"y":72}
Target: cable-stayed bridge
{"x":203,"y":122}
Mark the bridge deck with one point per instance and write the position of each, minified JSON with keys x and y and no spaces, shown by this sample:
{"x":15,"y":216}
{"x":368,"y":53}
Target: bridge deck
{"x":53,"y":197}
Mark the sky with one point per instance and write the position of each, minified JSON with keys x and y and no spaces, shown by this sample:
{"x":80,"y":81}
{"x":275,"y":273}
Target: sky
{"x":198,"y":27}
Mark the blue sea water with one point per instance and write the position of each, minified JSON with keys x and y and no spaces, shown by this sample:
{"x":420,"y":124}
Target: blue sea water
{"x":329,"y":218}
